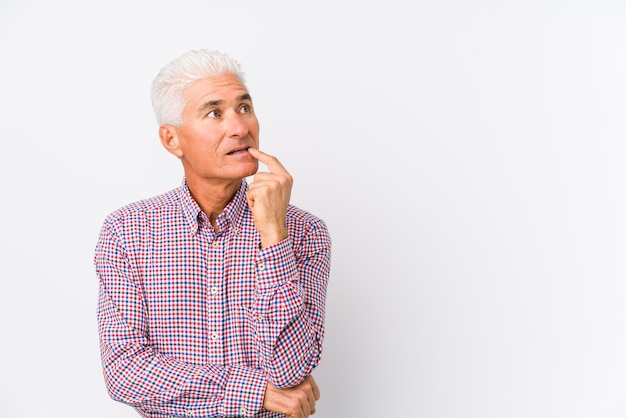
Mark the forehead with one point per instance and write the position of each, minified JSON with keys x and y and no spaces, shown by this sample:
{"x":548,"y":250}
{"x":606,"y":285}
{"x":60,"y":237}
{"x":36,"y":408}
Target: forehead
{"x":226,"y":87}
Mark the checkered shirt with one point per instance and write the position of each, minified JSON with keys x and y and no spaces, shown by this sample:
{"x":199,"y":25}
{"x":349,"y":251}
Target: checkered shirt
{"x":194,"y":322}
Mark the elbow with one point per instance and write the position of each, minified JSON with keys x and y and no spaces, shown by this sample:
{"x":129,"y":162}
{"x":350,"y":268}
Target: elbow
{"x":119,"y":377}
{"x":117,"y":384}
{"x":296,"y":371}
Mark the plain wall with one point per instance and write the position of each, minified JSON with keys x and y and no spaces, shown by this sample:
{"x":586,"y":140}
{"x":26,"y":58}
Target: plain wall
{"x":467,"y":156}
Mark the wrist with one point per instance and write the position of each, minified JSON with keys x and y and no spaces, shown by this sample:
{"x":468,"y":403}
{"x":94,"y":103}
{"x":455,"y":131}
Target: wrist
{"x":269,"y":238}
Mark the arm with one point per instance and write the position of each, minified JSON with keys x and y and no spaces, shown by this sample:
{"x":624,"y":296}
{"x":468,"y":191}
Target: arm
{"x":137,"y":374}
{"x":290,"y":304}
{"x":289,"y":309}
{"x":290,"y":323}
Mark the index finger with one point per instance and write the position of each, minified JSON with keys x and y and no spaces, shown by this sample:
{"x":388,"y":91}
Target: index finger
{"x":270,"y":161}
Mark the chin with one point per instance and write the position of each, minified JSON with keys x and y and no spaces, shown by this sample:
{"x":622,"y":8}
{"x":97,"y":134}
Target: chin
{"x":248,"y":170}
{"x":253,"y":168}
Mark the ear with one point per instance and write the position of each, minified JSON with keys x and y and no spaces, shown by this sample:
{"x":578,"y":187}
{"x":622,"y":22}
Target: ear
{"x":169,"y":139}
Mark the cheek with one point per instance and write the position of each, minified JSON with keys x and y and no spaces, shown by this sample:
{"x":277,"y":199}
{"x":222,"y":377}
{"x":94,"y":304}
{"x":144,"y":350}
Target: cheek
{"x":204,"y":138}
{"x":254,"y":130}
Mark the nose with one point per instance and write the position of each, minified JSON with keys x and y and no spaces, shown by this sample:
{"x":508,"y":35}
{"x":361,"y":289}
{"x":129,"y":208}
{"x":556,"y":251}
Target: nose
{"x":237,"y":126}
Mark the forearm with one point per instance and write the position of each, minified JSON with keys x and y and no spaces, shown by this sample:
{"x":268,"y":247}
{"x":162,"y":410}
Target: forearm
{"x":289,"y":311}
{"x":138,"y":375}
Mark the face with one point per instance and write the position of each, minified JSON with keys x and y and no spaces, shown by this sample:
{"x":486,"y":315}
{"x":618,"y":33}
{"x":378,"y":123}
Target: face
{"x":218,"y":126}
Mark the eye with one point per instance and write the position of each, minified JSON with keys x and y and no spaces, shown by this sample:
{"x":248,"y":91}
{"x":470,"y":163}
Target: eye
{"x":213,"y":114}
{"x":246,"y":108}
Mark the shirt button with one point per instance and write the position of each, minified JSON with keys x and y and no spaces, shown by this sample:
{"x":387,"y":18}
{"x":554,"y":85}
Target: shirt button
{"x":215,"y":244}
{"x":260,"y":266}
{"x":237,"y":230}
{"x":214,"y":290}
{"x":243,"y":410}
{"x":214,"y":336}
{"x":259,"y":318}
{"x":190,"y":413}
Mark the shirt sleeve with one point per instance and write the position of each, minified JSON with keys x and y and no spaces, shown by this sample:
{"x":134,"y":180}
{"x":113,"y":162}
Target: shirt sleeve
{"x":137,"y":374}
{"x":290,"y":305}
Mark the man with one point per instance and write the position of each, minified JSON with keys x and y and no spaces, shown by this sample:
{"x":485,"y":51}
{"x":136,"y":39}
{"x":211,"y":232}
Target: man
{"x":212,"y":295}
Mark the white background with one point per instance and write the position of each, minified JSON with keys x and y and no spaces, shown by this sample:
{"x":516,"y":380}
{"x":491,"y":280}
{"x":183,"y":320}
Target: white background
{"x":467,"y":156}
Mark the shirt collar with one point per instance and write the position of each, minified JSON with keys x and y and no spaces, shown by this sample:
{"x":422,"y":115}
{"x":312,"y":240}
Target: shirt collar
{"x":233,"y":212}
{"x":230,"y":217}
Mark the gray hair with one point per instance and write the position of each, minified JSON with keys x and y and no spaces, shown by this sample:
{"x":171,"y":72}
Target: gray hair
{"x":169,"y":85}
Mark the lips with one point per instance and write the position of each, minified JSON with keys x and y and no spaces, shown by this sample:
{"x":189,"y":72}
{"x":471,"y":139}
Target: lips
{"x":238,"y":150}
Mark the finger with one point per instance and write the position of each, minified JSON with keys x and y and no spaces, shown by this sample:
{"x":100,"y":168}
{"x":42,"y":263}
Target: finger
{"x":270,"y":161}
{"x":264,"y":176}
{"x":311,"y":403}
{"x":314,"y":388}
{"x":306,"y":407}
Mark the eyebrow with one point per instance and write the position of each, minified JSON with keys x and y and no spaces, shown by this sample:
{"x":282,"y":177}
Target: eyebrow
{"x":217,"y":103}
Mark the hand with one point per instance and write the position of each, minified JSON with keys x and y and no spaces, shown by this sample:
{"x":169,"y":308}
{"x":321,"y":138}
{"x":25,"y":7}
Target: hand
{"x":295,"y":402}
{"x":268,"y":197}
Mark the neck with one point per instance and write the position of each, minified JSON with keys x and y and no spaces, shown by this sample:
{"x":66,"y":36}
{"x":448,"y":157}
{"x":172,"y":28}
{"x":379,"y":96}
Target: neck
{"x":212,"y":197}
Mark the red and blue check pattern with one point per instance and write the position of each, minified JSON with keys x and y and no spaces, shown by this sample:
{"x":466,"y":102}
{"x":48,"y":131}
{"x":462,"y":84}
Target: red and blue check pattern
{"x":194,"y":322}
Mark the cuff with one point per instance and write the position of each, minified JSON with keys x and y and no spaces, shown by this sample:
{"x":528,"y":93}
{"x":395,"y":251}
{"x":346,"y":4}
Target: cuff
{"x":245,"y":390}
{"x":275,"y":264}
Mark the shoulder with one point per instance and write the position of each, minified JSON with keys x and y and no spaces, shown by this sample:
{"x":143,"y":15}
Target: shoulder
{"x":299,"y":215}
{"x":144,"y":208}
{"x":303,"y":225}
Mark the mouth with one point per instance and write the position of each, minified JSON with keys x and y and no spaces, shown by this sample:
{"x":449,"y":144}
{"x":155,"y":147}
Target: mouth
{"x":238,"y":150}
